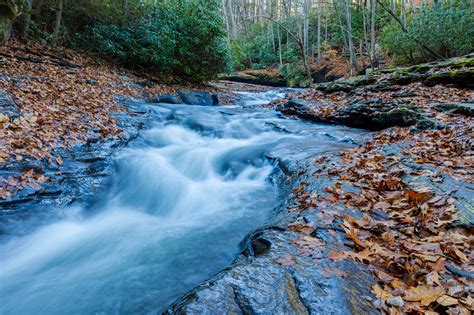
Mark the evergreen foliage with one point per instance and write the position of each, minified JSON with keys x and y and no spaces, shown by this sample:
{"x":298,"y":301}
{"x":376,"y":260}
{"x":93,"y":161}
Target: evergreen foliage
{"x":182,"y":38}
{"x":445,"y":28}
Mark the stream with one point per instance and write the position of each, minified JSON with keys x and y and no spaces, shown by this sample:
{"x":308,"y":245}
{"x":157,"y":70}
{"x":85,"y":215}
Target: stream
{"x":182,"y":197}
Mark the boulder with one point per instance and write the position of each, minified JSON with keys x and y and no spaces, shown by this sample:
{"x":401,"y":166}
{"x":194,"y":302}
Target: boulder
{"x":165,"y":98}
{"x":198,"y":98}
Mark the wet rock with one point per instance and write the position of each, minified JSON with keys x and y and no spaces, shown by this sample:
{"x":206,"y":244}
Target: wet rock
{"x":256,"y":245}
{"x":261,"y":285}
{"x":84,"y":171}
{"x":8,"y":106}
{"x":198,"y":98}
{"x":165,"y":98}
{"x":466,"y":109}
{"x":302,"y":109}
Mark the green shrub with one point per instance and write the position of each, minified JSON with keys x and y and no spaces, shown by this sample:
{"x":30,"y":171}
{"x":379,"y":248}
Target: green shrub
{"x":238,"y":55}
{"x":294,"y":74}
{"x":446,"y":28}
{"x":184,"y":38}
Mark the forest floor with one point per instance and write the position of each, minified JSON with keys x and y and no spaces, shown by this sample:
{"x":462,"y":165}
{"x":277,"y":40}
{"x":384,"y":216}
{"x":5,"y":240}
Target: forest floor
{"x":411,"y":185}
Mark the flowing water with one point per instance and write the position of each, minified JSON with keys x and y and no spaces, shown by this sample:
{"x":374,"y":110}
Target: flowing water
{"x":183,"y":195}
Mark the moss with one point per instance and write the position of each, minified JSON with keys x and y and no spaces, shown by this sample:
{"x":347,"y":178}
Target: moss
{"x":461,"y":78}
{"x":457,"y":62}
{"x":466,"y":109}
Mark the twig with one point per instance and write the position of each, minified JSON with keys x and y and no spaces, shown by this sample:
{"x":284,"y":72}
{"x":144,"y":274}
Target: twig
{"x":461,"y":273}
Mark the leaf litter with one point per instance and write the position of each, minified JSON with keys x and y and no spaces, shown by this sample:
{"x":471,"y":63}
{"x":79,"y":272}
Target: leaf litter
{"x":410,"y":234}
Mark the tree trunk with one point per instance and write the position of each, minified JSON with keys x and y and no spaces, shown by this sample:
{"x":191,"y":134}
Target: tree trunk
{"x":300,"y":43}
{"x":339,"y":21}
{"x":26,"y":21}
{"x":58,"y":20}
{"x":5,"y":28}
{"x":319,"y":32}
{"x":350,"y":42}
{"x":373,"y":57}
{"x":233,"y":19}
{"x":280,"y":55}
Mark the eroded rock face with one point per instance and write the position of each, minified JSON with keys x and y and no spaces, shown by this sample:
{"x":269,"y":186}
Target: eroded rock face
{"x":455,"y":71}
{"x":303,"y":109}
{"x":256,"y":78}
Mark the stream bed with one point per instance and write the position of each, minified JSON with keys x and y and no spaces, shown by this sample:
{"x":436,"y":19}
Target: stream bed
{"x":182,"y":197}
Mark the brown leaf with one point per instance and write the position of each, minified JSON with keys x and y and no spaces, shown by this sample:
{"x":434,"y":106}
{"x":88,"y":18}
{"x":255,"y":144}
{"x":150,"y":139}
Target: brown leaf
{"x":447,"y":300}
{"x":424,"y":294}
{"x":380,"y":293}
{"x":286,"y":260}
{"x":334,"y":272}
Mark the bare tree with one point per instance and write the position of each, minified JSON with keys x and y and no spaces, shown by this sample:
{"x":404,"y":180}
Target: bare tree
{"x":373,"y":6}
{"x":58,"y":20}
{"x":350,"y":42}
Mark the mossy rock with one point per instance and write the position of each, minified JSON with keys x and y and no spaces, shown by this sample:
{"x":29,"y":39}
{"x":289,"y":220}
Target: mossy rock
{"x":466,"y":109}
{"x":456,"y":62}
{"x":345,"y":84}
{"x":463,"y":78}
{"x":404,"y":117}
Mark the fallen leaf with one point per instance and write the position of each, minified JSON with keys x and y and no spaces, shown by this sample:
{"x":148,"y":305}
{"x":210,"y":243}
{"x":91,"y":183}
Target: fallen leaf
{"x":447,"y":300}
{"x":424,"y":294}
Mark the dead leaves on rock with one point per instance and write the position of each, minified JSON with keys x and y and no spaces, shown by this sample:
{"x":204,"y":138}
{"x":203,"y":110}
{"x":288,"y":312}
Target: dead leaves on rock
{"x":10,"y":186}
{"x":406,"y":233}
